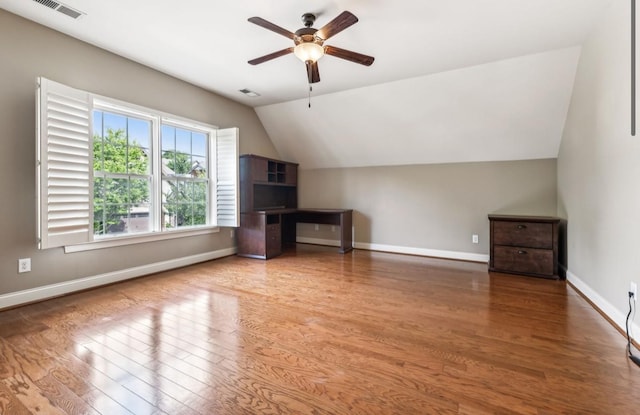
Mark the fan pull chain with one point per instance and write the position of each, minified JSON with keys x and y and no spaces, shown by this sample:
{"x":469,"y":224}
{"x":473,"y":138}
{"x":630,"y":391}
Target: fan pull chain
{"x":310,"y":89}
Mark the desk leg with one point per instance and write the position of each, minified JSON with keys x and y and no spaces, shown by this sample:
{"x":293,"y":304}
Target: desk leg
{"x":346,"y":235}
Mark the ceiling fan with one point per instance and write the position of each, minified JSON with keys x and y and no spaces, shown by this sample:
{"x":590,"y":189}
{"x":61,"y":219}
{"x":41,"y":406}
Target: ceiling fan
{"x":309,"y":42}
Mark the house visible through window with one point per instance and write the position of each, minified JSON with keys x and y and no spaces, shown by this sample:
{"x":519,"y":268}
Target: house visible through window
{"x":109,"y":169}
{"x":185,"y":177}
{"x":121,"y":174}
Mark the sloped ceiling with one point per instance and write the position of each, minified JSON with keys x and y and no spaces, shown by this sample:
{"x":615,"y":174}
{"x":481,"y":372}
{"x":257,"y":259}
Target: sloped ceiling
{"x":463,"y":80}
{"x":512,"y":109}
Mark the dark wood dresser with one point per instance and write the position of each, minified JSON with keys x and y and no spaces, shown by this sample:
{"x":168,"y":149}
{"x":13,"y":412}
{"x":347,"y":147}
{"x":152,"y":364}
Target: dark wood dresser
{"x":526,"y":245}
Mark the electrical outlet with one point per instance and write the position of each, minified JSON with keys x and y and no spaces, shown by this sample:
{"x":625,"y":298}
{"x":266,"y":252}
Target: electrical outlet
{"x":474,"y":239}
{"x":24,"y":265}
{"x":231,"y":233}
{"x":633,"y":288}
{"x":317,"y":227}
{"x":333,"y":228}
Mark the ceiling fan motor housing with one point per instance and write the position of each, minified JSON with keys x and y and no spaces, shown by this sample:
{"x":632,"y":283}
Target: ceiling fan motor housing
{"x":308,"y":19}
{"x":306,"y":35}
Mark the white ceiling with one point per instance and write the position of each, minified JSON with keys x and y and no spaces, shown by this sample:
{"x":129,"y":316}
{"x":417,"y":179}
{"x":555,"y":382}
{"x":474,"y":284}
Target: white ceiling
{"x":453,"y":80}
{"x":508,"y":110}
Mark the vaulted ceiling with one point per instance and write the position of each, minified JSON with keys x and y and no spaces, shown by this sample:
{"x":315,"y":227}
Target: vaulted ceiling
{"x":453,"y":81}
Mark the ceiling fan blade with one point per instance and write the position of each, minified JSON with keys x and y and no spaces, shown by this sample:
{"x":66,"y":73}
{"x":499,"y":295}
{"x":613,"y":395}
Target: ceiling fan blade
{"x":270,"y":26}
{"x":270,"y":56}
{"x":313,"y":74}
{"x":349,"y":55}
{"x":337,"y":25}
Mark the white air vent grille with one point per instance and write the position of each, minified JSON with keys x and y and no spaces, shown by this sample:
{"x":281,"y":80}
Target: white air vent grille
{"x":249,"y":92}
{"x":69,"y":12}
{"x":49,"y":3}
{"x":66,"y":10}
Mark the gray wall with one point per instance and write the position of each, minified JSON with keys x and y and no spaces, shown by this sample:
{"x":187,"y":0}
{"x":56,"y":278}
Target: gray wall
{"x":29,"y":50}
{"x":435,"y":206}
{"x":599,"y":169}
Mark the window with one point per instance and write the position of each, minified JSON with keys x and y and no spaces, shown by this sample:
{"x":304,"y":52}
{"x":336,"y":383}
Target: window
{"x":109,"y":170}
{"x":122,"y":179}
{"x":185,"y":182}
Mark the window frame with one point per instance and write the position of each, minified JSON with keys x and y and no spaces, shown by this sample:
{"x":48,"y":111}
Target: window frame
{"x":93,"y":102}
{"x":211,"y":178}
{"x":112,"y":108}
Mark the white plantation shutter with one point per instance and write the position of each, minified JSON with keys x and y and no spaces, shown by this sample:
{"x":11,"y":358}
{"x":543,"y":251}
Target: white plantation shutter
{"x":64,"y":165}
{"x":227,"y":206}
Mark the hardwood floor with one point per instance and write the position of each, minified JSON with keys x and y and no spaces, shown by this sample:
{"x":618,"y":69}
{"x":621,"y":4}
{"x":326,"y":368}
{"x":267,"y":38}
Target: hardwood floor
{"x":316,"y":332}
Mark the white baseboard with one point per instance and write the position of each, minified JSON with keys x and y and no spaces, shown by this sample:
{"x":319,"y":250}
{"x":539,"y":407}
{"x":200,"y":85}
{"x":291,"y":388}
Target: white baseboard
{"x":67,"y":287}
{"x":606,"y":307}
{"x":464,"y":256}
{"x":317,"y":241}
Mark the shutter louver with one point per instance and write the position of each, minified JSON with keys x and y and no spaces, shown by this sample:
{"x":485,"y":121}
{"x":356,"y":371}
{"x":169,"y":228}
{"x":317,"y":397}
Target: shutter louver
{"x":227,"y":206}
{"x":64,"y":156}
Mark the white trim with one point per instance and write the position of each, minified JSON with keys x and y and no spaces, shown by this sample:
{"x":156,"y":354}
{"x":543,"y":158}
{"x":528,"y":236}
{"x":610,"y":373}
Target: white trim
{"x":606,"y":307}
{"x":317,"y":241}
{"x":67,"y":287}
{"x":113,"y":104}
{"x":462,"y":256}
{"x":176,"y":121}
{"x":138,"y":239}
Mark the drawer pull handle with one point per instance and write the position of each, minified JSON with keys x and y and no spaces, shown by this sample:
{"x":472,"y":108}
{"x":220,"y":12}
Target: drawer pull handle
{"x":522,"y":226}
{"x":521,"y":252}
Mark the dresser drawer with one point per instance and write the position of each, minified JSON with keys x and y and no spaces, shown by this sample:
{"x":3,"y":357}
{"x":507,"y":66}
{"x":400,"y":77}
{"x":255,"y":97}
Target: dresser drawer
{"x":523,"y":260}
{"x":528,"y":234}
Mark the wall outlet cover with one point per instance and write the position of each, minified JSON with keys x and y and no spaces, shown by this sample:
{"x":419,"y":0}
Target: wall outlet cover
{"x":24,"y":265}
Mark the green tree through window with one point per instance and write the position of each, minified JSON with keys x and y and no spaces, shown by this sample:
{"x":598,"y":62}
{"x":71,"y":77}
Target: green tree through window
{"x":121,"y":180}
{"x":185,"y":180}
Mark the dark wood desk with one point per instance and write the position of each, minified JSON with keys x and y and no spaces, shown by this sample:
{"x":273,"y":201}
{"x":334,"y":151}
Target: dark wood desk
{"x":262,"y":233}
{"x":269,"y":209}
{"x":339,"y":217}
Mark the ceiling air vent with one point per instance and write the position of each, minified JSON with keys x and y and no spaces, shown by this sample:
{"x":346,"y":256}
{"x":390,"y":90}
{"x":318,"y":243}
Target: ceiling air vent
{"x":69,"y":12}
{"x":249,"y":92}
{"x":50,"y":4}
{"x":59,"y":7}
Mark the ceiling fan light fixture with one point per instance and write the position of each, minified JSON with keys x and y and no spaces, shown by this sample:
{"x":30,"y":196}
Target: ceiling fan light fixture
{"x":308,"y":51}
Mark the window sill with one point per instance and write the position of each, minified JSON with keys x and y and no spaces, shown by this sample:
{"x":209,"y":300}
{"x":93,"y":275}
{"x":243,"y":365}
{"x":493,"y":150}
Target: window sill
{"x":138,"y":239}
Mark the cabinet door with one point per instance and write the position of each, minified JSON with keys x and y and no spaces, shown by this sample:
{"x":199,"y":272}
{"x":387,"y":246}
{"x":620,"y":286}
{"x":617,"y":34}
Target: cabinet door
{"x":259,"y":169}
{"x":291,"y":174}
{"x":251,"y":235}
{"x":273,"y":240}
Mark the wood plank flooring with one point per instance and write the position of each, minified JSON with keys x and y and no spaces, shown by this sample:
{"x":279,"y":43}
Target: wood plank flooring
{"x":316,"y":332}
